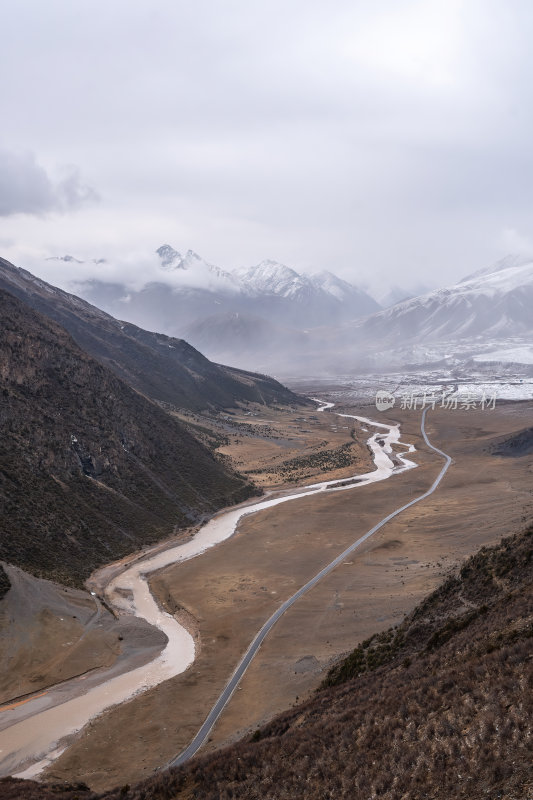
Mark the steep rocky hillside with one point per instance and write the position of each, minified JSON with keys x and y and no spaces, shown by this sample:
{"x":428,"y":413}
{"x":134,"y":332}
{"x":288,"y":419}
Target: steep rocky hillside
{"x":89,"y":468}
{"x":165,"y":369}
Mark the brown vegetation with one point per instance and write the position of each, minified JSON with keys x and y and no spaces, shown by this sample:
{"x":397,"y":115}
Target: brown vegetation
{"x":322,"y":460}
{"x":16,"y":789}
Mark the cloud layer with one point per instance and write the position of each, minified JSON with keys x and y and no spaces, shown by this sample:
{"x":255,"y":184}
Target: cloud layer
{"x":26,"y":187}
{"x":388,"y":142}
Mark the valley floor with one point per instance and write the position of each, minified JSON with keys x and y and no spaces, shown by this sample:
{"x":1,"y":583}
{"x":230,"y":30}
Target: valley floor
{"x":229,"y":591}
{"x":280,"y":447}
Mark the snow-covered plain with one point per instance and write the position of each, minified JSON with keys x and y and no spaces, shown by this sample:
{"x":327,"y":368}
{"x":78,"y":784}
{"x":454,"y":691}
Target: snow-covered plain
{"x":512,"y":355}
{"x":442,"y":385}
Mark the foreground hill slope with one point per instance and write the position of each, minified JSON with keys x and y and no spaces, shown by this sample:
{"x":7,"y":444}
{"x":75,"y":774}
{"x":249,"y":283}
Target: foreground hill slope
{"x":89,"y":468}
{"x":163,"y":368}
{"x":441,"y":707}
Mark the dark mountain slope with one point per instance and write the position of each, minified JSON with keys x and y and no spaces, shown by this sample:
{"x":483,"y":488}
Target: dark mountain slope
{"x":89,"y":468}
{"x":5,"y":585}
{"x":439,"y":708}
{"x":163,"y":368}
{"x":17,"y":789}
{"x":521,"y":444}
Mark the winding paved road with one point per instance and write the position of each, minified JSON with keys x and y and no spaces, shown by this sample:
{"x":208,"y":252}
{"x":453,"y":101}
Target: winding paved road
{"x":241,"y":668}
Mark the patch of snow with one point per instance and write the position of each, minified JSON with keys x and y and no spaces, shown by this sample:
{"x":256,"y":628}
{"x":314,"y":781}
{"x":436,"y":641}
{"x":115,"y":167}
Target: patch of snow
{"x":517,"y":355}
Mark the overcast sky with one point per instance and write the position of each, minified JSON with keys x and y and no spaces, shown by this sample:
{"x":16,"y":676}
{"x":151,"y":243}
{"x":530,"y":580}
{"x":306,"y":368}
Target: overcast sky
{"x":390,"y":142}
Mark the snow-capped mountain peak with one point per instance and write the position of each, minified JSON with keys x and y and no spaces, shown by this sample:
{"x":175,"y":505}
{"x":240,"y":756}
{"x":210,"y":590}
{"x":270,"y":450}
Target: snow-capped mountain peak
{"x":170,"y":258}
{"x":507,"y":262}
{"x":191,"y":259}
{"x":501,"y":279}
{"x":67,"y":258}
{"x":172,"y":261}
{"x":271,"y":278}
{"x":498,"y":301}
{"x":332,"y":284}
{"x":181,"y":287}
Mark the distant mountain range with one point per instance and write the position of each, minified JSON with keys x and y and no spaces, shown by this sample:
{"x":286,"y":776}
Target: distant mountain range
{"x":488,"y":312}
{"x":189,"y":290}
{"x":270,"y":318}
{"x":494,"y":304}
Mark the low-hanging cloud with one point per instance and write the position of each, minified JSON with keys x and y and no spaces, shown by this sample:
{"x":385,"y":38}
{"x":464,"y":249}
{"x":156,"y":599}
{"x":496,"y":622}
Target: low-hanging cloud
{"x":388,"y":142}
{"x":27,"y":188}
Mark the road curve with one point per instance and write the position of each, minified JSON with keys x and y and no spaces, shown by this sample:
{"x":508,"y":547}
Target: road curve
{"x":242,"y":666}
